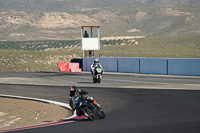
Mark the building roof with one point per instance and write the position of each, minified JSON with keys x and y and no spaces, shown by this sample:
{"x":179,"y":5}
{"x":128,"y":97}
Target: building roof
{"x":89,"y":25}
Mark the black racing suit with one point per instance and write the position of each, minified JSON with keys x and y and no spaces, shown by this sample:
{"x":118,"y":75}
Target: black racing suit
{"x":82,"y":94}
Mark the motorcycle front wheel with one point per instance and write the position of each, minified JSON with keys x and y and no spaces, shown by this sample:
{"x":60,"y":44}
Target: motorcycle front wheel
{"x":94,"y":80}
{"x":99,"y":79}
{"x":89,"y":113}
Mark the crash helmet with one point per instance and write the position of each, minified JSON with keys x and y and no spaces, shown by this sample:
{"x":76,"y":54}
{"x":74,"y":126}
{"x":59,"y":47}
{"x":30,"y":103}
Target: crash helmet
{"x":72,"y":90}
{"x":96,"y":60}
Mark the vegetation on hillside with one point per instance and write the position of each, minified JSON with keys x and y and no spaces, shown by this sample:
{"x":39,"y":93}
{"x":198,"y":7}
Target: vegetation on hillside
{"x":132,"y":21}
{"x":85,"y":5}
{"x":40,"y":45}
{"x":157,"y":47}
{"x":22,"y":56}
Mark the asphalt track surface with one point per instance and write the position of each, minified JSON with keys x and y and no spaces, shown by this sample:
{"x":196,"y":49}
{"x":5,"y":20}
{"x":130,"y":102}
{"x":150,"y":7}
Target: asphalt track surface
{"x":133,"y":103}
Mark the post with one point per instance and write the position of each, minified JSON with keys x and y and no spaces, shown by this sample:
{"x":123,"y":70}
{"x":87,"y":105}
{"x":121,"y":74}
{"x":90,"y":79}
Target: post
{"x":91,"y":31}
{"x":83,"y":53}
{"x":98,"y":32}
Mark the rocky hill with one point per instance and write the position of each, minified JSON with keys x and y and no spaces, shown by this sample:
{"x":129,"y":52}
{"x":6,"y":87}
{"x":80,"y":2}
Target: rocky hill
{"x":60,"y":19}
{"x":77,"y":5}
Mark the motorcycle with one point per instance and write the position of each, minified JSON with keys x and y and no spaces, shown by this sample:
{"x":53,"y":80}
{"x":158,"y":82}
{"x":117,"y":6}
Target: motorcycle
{"x":97,"y":77}
{"x":85,"y":107}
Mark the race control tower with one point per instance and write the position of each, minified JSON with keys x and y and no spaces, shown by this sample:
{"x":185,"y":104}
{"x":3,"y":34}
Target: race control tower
{"x":90,"y":39}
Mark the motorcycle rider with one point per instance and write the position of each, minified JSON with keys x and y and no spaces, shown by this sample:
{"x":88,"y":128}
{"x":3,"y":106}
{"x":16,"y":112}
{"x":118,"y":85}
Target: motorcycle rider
{"x":80,"y":93}
{"x":94,"y":64}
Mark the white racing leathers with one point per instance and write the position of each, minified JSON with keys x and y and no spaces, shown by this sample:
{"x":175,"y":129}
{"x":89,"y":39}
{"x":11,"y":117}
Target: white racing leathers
{"x":93,"y":66}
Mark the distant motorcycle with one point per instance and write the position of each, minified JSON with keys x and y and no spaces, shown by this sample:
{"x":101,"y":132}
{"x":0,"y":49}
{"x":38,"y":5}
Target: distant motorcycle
{"x":86,"y":108}
{"x":97,"y":77}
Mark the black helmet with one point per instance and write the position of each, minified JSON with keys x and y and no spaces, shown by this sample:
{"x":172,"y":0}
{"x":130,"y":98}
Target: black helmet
{"x":73,"y":89}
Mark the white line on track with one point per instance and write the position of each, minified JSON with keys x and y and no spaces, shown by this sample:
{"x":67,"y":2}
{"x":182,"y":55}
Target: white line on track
{"x":142,"y":82}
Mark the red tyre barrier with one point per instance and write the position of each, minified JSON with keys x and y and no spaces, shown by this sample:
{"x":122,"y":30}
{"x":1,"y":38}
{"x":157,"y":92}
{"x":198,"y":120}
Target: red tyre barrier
{"x":69,"y":67}
{"x":74,"y":68}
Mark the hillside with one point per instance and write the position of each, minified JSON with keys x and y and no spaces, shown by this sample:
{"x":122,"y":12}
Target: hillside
{"x":130,"y":21}
{"x":36,"y":34}
{"x":77,"y":5}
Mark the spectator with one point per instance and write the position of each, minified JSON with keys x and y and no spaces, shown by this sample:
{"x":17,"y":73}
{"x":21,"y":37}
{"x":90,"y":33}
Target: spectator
{"x":86,"y":35}
{"x":100,"y":55}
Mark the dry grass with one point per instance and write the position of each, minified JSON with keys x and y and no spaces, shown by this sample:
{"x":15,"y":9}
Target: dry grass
{"x":16,"y":60}
{"x":159,"y":47}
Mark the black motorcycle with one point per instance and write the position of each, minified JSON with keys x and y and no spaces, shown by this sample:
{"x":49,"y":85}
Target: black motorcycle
{"x":97,"y":74}
{"x":85,"y":107}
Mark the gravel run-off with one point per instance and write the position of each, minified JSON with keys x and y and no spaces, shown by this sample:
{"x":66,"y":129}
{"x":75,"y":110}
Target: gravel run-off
{"x":15,"y":113}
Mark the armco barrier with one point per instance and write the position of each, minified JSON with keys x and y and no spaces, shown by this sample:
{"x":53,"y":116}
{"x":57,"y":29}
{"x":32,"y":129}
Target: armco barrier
{"x":147,"y":65}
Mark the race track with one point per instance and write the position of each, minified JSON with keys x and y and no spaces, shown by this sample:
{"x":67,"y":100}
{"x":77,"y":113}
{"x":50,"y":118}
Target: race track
{"x":133,"y":103}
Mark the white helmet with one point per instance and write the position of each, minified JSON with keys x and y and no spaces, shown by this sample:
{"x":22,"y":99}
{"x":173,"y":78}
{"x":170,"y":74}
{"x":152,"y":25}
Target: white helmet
{"x":96,"y":60}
